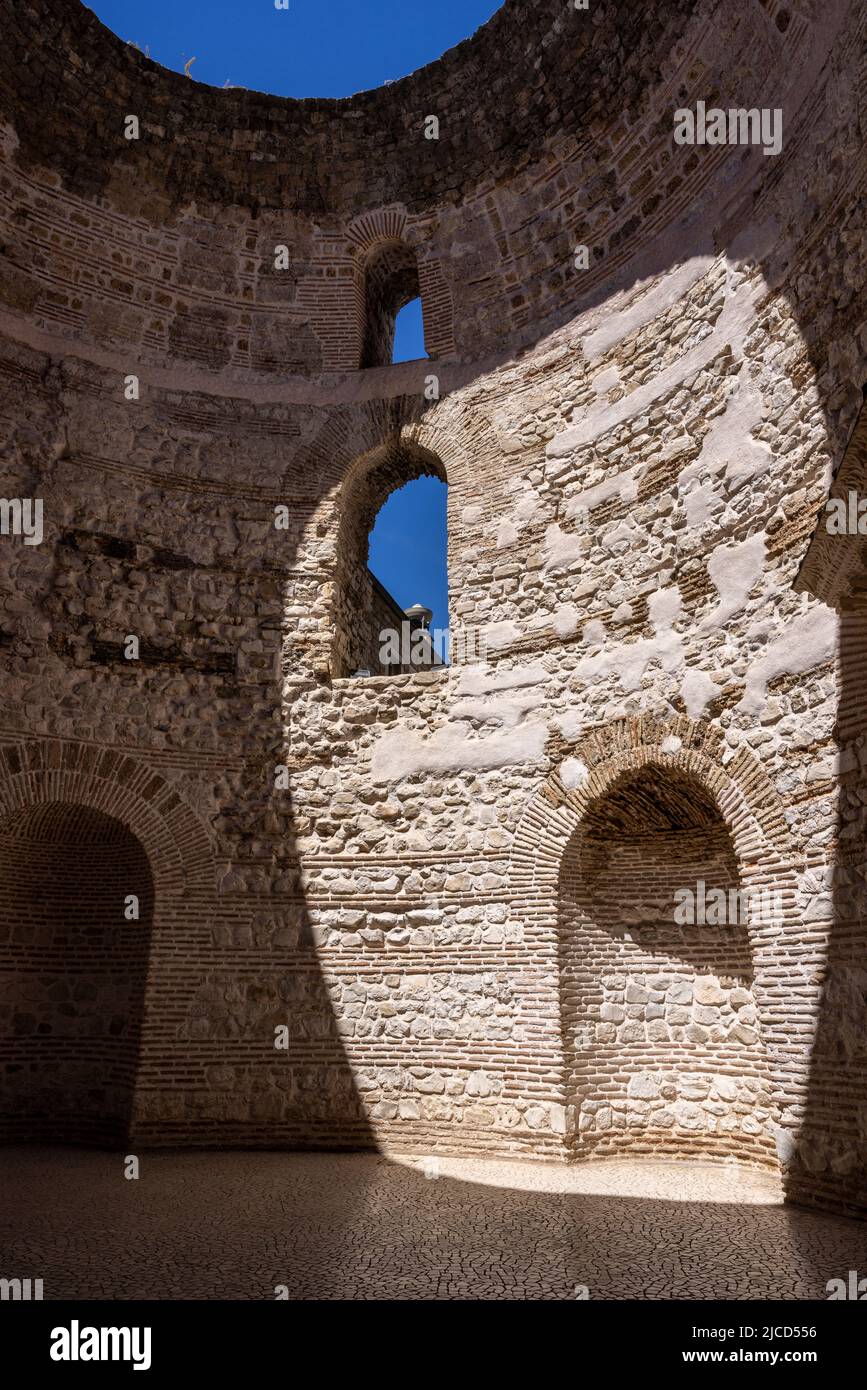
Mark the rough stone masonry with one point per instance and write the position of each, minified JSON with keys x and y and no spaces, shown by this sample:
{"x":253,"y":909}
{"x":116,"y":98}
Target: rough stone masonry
{"x":249,"y":899}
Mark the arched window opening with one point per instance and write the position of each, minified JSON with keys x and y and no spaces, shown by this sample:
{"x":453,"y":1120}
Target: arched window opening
{"x":661,"y":1028}
{"x":391,"y":283}
{"x":392,"y":586}
{"x":76,"y":908}
{"x":407,"y":558}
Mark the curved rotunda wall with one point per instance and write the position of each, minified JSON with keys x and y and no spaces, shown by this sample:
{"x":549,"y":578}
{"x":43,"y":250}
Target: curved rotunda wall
{"x":636,"y":456}
{"x":555,"y":131}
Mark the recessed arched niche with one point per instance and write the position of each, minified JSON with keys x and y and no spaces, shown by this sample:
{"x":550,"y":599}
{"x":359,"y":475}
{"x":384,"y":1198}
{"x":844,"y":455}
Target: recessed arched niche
{"x":76,"y":911}
{"x":662,"y":1037}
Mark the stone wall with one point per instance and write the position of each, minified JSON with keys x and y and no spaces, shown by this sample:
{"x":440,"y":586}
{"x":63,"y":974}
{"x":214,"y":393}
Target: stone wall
{"x":379,"y":614}
{"x":393,"y":870}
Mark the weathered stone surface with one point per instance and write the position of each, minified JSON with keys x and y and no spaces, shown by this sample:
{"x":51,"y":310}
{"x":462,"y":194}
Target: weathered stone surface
{"x":454,"y":891}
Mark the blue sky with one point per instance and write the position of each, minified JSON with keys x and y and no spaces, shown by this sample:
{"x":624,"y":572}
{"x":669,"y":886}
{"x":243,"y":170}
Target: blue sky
{"x":408,"y":547}
{"x":326,"y":48}
{"x":409,"y":334}
{"x":408,"y":540}
{"x":316,"y":48}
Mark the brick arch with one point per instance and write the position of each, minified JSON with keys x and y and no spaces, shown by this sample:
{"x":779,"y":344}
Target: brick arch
{"x":376,"y":474}
{"x":177,"y":846}
{"x":444,"y":438}
{"x":384,"y":224}
{"x":348,"y":442}
{"x":585,"y":902}
{"x":367,"y":478}
{"x":386,"y":241}
{"x":386,"y":281}
{"x":747,"y":800}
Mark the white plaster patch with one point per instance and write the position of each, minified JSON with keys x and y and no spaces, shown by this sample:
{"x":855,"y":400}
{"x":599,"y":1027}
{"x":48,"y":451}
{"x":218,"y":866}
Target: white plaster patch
{"x":729,"y":444}
{"x":527,"y":509}
{"x":566,"y":620}
{"x":481,"y":680}
{"x":573,"y":773}
{"x":499,"y":635}
{"x":671,"y":744}
{"x":809,"y":640}
{"x":699,"y":502}
{"x":732,"y":325}
{"x":570,"y":725}
{"x":509,"y":713}
{"x":562,"y":549}
{"x":621,"y":485}
{"x":730,"y":439}
{"x":733,"y":570}
{"x":697,"y":690}
{"x":629,"y":660}
{"x":645,"y":305}
{"x":606,"y":380}
{"x":664,"y":607}
{"x":400,"y":753}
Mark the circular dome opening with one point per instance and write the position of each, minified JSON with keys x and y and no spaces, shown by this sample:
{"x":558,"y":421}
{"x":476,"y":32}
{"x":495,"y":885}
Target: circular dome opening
{"x":294,"y":48}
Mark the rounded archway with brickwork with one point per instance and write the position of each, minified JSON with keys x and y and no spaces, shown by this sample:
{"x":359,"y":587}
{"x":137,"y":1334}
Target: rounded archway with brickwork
{"x":661,"y":878}
{"x":388,"y":270}
{"x":98,"y":855}
{"x":361,"y":610}
{"x":664,"y":1049}
{"x":76,"y":915}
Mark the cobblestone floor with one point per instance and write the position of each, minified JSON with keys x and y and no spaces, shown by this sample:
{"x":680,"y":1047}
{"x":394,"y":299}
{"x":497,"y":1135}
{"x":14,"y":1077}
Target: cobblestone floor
{"x":359,"y":1226}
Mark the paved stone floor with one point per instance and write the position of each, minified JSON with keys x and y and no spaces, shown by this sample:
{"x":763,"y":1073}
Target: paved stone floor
{"x":359,"y":1226}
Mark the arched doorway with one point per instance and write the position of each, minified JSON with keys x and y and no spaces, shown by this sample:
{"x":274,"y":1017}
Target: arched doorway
{"x":663,"y":1044}
{"x":76,"y":909}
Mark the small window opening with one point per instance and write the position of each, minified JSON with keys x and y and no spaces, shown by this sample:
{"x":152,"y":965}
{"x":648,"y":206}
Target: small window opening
{"x":391,"y":284}
{"x":407,"y":564}
{"x":390,"y":576}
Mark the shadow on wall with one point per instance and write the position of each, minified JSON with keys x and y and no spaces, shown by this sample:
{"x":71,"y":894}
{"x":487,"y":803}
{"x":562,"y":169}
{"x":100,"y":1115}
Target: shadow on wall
{"x":129,"y":1015}
{"x":829,"y":1161}
{"x":662,"y":1040}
